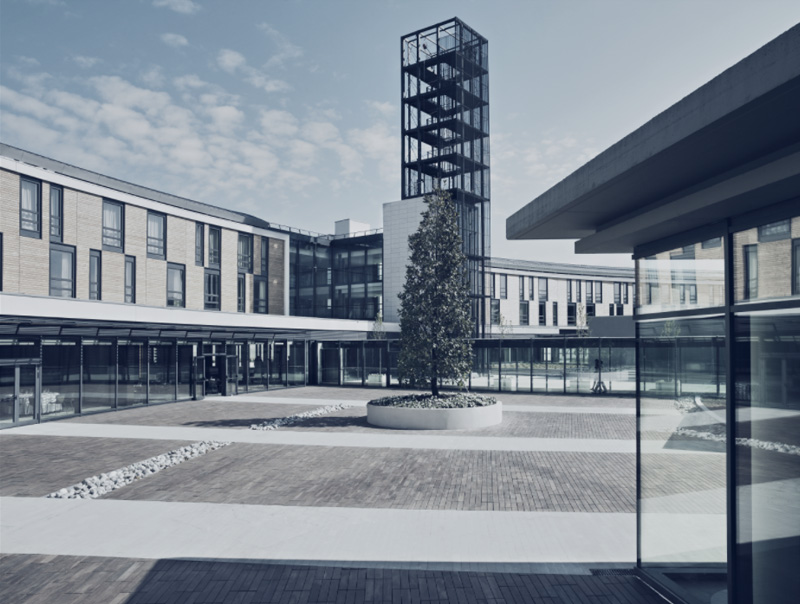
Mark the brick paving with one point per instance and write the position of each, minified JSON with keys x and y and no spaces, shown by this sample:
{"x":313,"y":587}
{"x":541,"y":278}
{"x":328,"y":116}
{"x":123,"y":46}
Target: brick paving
{"x":398,"y":479}
{"x":33,"y":579}
{"x":34,"y":466}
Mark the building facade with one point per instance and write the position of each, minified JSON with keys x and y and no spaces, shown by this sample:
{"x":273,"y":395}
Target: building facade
{"x":707,"y":197}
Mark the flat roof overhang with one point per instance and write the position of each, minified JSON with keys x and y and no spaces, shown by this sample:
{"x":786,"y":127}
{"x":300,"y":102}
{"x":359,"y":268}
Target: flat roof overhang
{"x":729,"y":147}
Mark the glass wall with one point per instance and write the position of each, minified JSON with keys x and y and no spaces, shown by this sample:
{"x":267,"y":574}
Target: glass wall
{"x":132,"y":371}
{"x":163,"y":379}
{"x":99,"y":375}
{"x":61,"y":378}
{"x":185,"y":360}
{"x":297,"y":363}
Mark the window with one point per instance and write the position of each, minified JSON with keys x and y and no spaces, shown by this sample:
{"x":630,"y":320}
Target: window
{"x":572,"y":313}
{"x":503,"y":286}
{"x":531,"y":289}
{"x":709,"y":243}
{"x":589,"y":292}
{"x":245,"y":255}
{"x":795,"y":266}
{"x":62,"y":271}
{"x":30,"y":208}
{"x":524,"y":312}
{"x":56,"y":214}
{"x":492,"y":285}
{"x":578,"y":290}
{"x":212,"y":285}
{"x":542,"y":313}
{"x":751,"y":271}
{"x":156,"y":236}
{"x":522,"y":288}
{"x":130,"y":279}
{"x":240,"y":293}
{"x":264,"y":256}
{"x":611,"y":310}
{"x":620,"y":310}
{"x":199,"y":244}
{"x":625,"y":293}
{"x":214,"y":244}
{"x":590,"y":310}
{"x":555,"y":313}
{"x":569,"y":290}
{"x":113,"y":226}
{"x":95,"y":275}
{"x":617,"y":292}
{"x":542,"y":289}
{"x":260,"y":295}
{"x":598,"y":292}
{"x":775,"y":231}
{"x":495,"y":312}
{"x":176,"y":281}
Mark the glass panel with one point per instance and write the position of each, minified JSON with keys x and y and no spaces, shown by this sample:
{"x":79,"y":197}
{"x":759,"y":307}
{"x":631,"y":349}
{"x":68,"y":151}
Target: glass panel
{"x":112,"y":225}
{"x":130,"y":279}
{"x":242,"y":366}
{"x":61,"y":367}
{"x":765,"y":261}
{"x":132,"y":373}
{"x":162,"y":373}
{"x":62,"y":281}
{"x":257,"y":367}
{"x":375,"y":364}
{"x":156,"y":234}
{"x":767,"y":370}
{"x":56,"y":214}
{"x":328,"y":373}
{"x":688,"y":277}
{"x":7,"y":378}
{"x":277,"y":365}
{"x":29,"y":205}
{"x":27,"y":392}
{"x":214,"y":242}
{"x":682,"y":473}
{"x":175,"y":281}
{"x":99,"y":375}
{"x":351,"y":356}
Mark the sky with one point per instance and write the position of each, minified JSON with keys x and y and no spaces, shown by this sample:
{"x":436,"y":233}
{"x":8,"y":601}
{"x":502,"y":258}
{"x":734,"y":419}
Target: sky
{"x":289,"y":109}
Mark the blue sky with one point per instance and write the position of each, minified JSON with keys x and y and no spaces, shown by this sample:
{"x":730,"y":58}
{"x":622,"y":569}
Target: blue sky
{"x":289,"y":109}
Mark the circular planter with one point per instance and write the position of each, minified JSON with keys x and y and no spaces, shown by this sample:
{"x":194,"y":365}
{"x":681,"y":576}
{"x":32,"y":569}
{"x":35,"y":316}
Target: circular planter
{"x":410,"y":418}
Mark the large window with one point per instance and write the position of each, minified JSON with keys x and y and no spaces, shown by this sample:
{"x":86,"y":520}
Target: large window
{"x":264,"y":256}
{"x":555,"y":313}
{"x":62,"y":271}
{"x":199,"y":243}
{"x":598,"y":292}
{"x":245,"y":253}
{"x":531,"y":288}
{"x":542,"y":313}
{"x":503,"y":286}
{"x":524,"y":312}
{"x":214,"y":246}
{"x":578,"y":290}
{"x":130,"y":279}
{"x":569,"y":290}
{"x":522,"y":288}
{"x":176,"y":281}
{"x":542,"y":289}
{"x":113,"y":226}
{"x":260,"y":295}
{"x":212,"y":289}
{"x":617,"y":292}
{"x":589,"y":293}
{"x":495,"y":315}
{"x":156,"y":236}
{"x":240,"y":292}
{"x":56,"y":214}
{"x":30,"y":208}
{"x":572,"y":313}
{"x":95,"y":275}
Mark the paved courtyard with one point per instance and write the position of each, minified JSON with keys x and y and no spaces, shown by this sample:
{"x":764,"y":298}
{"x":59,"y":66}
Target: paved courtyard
{"x":328,"y":509}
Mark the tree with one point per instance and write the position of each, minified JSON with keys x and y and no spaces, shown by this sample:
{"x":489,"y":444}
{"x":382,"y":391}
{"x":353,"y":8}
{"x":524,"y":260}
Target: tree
{"x":378,"y":331}
{"x":435,"y":323}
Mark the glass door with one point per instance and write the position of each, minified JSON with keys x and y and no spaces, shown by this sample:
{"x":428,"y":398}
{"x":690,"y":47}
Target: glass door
{"x":18,"y":394}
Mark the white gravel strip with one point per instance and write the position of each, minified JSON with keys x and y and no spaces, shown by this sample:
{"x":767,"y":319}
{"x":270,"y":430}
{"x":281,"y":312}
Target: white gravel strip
{"x":744,"y":442}
{"x":274,"y":424}
{"x":95,"y":486}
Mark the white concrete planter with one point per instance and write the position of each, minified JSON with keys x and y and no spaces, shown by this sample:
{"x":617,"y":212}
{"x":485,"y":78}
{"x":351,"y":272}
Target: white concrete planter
{"x":409,"y":418}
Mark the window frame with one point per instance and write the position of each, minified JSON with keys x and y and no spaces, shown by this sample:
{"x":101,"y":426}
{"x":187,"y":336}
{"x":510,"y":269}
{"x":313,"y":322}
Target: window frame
{"x":555,"y":313}
{"x":58,"y":236}
{"x":23,"y":230}
{"x":494,"y":306}
{"x":598,"y":292}
{"x":259,"y":304}
{"x":572,"y":314}
{"x":129,"y":296}
{"x":617,"y":292}
{"x":241,"y":292}
{"x":590,"y":292}
{"x":110,"y":247}
{"x":578,"y":290}
{"x":95,"y":263}
{"x":748,"y":292}
{"x":521,"y":288}
{"x":199,"y":244}
{"x":212,"y":272}
{"x":70,"y":249}
{"x":503,"y":286}
{"x":569,"y":291}
{"x":174,"y":266}
{"x":542,"y":314}
{"x":246,"y":266}
{"x":155,"y":255}
{"x":264,"y":256}
{"x":524,"y":312}
{"x":543,"y":289}
{"x":214,"y":256}
{"x":785,"y":231}
{"x":531,"y":288}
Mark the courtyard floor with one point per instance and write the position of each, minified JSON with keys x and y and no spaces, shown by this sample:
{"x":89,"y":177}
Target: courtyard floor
{"x":328,"y":509}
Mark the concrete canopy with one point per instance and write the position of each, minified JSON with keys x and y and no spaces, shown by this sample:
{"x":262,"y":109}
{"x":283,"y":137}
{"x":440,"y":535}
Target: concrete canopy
{"x":731,"y":146}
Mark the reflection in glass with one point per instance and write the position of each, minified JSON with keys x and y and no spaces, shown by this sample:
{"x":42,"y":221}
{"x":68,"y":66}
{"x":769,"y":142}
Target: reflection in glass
{"x":765,"y":261}
{"x":132,"y":373}
{"x":767,"y":371}
{"x":162,"y":373}
{"x":682,"y":503}
{"x":99,"y":374}
{"x":60,"y":378}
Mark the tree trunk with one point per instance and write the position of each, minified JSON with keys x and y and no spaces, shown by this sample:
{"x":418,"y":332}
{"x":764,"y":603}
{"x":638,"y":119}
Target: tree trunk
{"x":434,"y":386}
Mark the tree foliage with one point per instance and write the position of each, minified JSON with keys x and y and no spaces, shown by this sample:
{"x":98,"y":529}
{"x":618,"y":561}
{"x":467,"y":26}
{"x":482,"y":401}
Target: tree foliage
{"x":435,"y":323}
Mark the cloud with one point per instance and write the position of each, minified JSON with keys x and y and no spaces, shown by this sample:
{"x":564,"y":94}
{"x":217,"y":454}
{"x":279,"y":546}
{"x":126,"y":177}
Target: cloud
{"x":383,"y":109}
{"x":233,"y":63}
{"x":278,"y":123}
{"x":153,"y":76}
{"x":378,"y":143}
{"x":225,"y":118}
{"x":286,"y":50}
{"x":85,"y":62}
{"x":174,"y":40}
{"x":185,"y":7}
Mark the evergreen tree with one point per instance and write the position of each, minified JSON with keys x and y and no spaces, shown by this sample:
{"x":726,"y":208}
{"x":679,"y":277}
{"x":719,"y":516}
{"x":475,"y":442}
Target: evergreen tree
{"x":435,"y":323}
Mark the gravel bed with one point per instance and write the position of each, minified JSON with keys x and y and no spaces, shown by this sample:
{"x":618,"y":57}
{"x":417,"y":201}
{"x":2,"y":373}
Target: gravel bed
{"x":274,"y":424}
{"x":96,"y":486}
{"x":753,"y":443}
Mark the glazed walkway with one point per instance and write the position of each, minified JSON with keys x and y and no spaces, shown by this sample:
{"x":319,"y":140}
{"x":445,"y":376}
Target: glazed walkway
{"x":326,"y":510}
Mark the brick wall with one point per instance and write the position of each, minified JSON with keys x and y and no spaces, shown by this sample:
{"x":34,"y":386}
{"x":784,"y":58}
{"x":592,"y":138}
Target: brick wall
{"x":9,"y":225}
{"x":229,"y":270}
